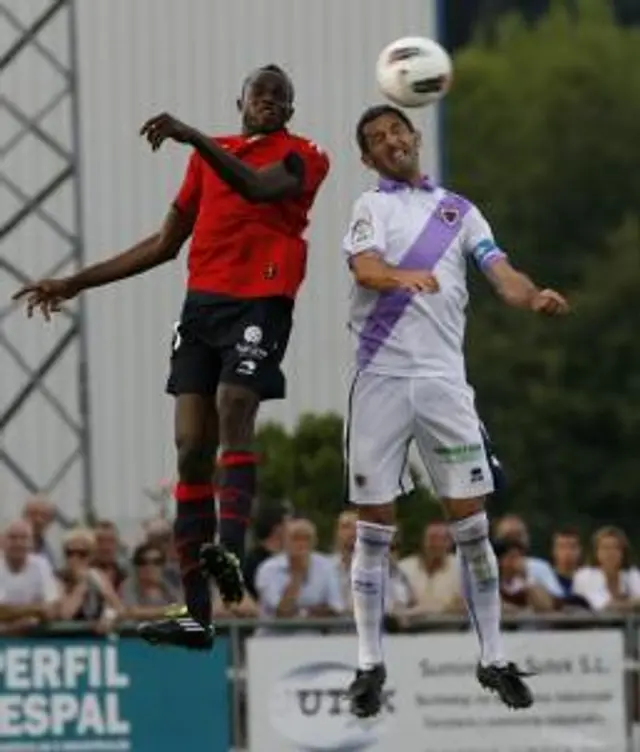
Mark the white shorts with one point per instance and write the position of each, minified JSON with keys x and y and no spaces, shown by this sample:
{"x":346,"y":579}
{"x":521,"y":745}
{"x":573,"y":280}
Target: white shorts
{"x":387,"y":413}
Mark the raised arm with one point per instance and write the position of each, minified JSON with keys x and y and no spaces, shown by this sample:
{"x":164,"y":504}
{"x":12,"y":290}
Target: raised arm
{"x":514,"y":287}
{"x":164,"y":245}
{"x":276,"y":182}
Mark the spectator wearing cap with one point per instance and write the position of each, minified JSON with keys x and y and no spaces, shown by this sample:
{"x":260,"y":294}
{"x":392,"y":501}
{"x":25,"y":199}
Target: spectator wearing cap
{"x":269,"y":532}
{"x":145,"y":594}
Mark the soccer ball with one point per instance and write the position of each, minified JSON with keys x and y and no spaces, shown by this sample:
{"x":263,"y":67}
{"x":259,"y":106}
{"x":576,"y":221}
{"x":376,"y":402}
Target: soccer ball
{"x":414,"y":72}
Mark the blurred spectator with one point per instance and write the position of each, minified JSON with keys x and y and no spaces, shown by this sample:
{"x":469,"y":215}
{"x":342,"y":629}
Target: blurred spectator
{"x":344,"y":541}
{"x":146,"y":594}
{"x":88,"y":594}
{"x":612,"y":584}
{"x":566,"y":555}
{"x":517,"y":588}
{"x":39,"y":512}
{"x":433,"y":574}
{"x":269,"y":530}
{"x":106,"y":556}
{"x":539,"y":571}
{"x":26,"y":578}
{"x":299,"y":582}
{"x":159,"y":533}
{"x":400,"y":598}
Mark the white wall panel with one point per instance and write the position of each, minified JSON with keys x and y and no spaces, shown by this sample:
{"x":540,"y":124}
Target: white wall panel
{"x":141,"y":56}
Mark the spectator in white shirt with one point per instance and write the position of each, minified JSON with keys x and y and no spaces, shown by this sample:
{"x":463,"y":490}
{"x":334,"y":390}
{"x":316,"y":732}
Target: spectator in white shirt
{"x":612,"y":584}
{"x":345,"y":539}
{"x":25,"y":577}
{"x":433,"y":574}
{"x":299,"y":582}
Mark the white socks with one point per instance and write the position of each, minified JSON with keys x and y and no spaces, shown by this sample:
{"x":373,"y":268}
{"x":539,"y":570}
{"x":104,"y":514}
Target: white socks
{"x":480,"y":584}
{"x":369,"y":572}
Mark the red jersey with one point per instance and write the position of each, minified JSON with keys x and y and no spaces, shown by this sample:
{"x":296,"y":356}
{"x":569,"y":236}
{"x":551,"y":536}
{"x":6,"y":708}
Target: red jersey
{"x":243,"y":249}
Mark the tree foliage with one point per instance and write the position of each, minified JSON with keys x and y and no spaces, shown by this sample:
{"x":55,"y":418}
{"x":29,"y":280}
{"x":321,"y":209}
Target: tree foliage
{"x":542,"y":135}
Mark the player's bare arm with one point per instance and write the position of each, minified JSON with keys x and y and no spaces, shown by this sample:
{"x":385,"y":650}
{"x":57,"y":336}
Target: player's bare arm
{"x":371,"y":271}
{"x":48,"y":295}
{"x":517,"y":290}
{"x":276,"y":182}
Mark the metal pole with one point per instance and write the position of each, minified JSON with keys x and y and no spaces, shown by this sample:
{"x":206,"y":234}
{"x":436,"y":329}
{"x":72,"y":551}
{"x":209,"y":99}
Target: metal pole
{"x":84,"y":398}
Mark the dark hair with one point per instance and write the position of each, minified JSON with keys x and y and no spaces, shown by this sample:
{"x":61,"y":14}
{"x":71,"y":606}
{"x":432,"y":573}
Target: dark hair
{"x":503,"y":546}
{"x":373,"y":113}
{"x":270,"y":68}
{"x":268,"y":517}
{"x":567,"y":532}
{"x":141,"y":551}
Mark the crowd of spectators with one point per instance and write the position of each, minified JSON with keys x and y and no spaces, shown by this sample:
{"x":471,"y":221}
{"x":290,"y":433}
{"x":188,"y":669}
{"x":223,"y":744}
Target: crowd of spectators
{"x":95,"y":579}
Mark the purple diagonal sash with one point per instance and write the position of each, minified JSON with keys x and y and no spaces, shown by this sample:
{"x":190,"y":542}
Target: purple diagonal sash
{"x":427,"y":249}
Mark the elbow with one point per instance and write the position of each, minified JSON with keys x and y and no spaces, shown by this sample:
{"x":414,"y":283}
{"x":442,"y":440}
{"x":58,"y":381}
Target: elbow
{"x":255,"y":191}
{"x":367,"y":280}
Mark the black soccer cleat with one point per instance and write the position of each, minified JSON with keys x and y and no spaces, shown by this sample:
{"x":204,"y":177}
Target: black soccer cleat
{"x":365,"y":692}
{"x":179,"y":630}
{"x":506,"y":682}
{"x":224,"y":568}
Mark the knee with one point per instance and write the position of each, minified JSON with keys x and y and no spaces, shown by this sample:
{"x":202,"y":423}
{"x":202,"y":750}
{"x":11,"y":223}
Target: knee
{"x":377,"y":514}
{"x":237,"y":409}
{"x":460,"y":509}
{"x":195,"y":459}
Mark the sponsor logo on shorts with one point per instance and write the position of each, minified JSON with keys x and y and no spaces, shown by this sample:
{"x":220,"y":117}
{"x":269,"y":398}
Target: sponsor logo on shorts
{"x":476,"y":475}
{"x":247,"y":367}
{"x":253,"y":335}
{"x":176,"y":338}
{"x":456,"y":455}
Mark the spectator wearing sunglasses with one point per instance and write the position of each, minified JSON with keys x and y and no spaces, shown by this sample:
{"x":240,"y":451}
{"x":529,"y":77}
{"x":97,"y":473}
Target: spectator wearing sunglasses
{"x":146,"y":593}
{"x":87,"y":594}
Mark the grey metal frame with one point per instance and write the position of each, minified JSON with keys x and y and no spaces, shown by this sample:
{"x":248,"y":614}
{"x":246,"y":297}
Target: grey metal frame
{"x":71,"y":247}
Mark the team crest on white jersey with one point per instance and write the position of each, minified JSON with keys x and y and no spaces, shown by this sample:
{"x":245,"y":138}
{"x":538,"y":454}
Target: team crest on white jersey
{"x":450,"y":215}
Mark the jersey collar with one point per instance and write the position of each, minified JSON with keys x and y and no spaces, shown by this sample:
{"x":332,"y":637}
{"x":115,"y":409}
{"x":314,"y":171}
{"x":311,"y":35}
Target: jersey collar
{"x":386,"y":185}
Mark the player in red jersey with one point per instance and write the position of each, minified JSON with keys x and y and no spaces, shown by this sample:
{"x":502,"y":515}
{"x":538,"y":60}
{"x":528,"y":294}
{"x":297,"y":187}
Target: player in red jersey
{"x":244,"y":201}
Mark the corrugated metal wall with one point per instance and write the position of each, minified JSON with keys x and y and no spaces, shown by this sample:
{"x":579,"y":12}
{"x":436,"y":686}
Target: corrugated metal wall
{"x":189,"y":58}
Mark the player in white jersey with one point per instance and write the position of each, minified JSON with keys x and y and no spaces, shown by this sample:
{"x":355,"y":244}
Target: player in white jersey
{"x":408,"y":246}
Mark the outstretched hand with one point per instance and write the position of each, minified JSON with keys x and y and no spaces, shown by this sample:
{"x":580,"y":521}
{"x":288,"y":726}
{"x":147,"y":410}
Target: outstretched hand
{"x":164,"y":126}
{"x":46,"y":296}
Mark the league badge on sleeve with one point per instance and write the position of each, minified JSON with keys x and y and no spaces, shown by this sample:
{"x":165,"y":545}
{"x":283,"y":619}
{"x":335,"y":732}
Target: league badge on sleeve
{"x":362,"y":231}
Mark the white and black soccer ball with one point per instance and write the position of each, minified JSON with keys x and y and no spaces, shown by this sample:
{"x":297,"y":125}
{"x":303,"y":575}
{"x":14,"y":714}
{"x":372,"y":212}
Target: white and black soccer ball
{"x":414,"y":72}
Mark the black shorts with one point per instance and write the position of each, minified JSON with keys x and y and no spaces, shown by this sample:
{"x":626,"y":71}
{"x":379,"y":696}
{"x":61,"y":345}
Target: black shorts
{"x":231,"y":341}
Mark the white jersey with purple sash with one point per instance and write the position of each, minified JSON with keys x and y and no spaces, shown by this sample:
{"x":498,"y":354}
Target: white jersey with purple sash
{"x":426,"y":227}
{"x":410,"y":383}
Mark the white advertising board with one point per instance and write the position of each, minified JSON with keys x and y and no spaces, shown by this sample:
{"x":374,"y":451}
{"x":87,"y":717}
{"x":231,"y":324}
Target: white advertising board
{"x":432,"y":703}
